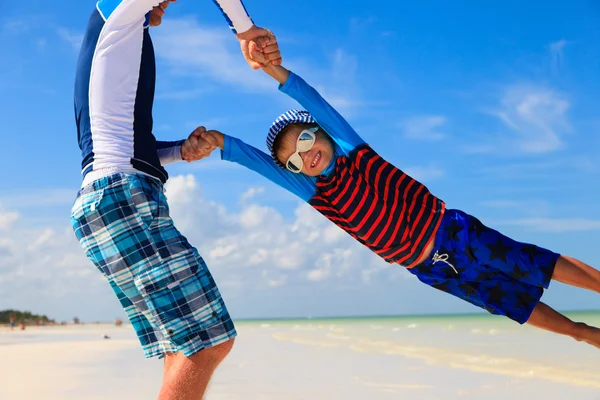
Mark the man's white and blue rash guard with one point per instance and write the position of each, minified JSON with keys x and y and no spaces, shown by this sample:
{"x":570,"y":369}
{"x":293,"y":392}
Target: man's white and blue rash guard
{"x":344,"y":136}
{"x":114,"y":89}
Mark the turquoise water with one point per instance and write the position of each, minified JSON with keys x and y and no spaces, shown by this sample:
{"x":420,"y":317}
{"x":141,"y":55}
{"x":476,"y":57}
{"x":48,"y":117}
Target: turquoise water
{"x":589,"y":317}
{"x":479,"y":341}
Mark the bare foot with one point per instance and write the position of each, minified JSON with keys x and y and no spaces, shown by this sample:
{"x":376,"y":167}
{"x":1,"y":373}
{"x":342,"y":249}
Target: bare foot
{"x":588,"y":334}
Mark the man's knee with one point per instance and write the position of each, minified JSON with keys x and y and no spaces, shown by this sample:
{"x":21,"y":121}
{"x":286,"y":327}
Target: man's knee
{"x":214,"y":354}
{"x":208,"y":358}
{"x":204,"y":362}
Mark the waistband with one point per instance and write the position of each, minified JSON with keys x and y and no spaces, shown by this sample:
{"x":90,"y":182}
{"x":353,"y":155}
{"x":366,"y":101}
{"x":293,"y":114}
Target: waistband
{"x":98,"y":174}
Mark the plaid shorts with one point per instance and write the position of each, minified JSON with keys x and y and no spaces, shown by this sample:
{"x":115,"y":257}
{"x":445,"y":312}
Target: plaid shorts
{"x":123,"y":224}
{"x":487,"y":269}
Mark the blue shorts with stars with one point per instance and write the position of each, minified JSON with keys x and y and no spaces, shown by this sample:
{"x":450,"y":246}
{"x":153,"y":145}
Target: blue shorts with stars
{"x":486,"y":268}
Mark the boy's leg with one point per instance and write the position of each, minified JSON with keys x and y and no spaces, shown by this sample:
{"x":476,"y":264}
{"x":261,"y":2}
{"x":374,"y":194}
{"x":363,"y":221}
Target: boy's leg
{"x":187,"y":378}
{"x":575,"y":273}
{"x":546,"y":318}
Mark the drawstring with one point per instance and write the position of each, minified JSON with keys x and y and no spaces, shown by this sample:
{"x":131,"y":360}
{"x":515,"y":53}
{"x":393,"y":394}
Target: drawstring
{"x":443,"y":258}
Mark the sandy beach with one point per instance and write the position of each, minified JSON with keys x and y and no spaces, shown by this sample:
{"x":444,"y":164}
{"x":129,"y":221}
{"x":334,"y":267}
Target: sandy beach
{"x":469,"y":357}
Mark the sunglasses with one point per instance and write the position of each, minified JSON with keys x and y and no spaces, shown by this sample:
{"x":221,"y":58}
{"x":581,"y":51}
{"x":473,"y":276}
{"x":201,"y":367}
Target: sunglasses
{"x":306,"y":140}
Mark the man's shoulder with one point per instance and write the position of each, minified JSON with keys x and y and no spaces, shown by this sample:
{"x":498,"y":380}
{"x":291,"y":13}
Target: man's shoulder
{"x":106,"y":8}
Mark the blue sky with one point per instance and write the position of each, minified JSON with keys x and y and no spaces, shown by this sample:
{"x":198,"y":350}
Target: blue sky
{"x":494,"y":108}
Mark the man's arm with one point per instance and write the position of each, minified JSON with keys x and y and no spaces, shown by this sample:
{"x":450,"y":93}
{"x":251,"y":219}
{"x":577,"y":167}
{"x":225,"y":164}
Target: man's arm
{"x":236,"y":15}
{"x":194,"y":148}
{"x":242,"y":25}
{"x":169,"y":152}
{"x":129,"y":11}
{"x":235,"y":150}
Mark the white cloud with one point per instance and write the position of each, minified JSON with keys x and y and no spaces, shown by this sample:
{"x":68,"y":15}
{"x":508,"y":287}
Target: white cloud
{"x":72,"y":38}
{"x":537,"y":115}
{"x":556,"y":225}
{"x":424,"y":127}
{"x":557,"y":50}
{"x":425,"y":173}
{"x":254,"y":252}
{"x":7,"y":219}
{"x":252,"y":192}
{"x":15,"y":26}
{"x":341,"y":90}
{"x":193,"y":50}
{"x":223,"y":251}
{"x":259,"y":236}
{"x":479,"y":148}
{"x":38,"y":198}
{"x":318,"y":274}
{"x":43,"y":239}
{"x":501,"y":204}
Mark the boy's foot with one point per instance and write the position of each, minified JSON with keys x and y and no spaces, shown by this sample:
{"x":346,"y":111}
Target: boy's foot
{"x":588,"y":334}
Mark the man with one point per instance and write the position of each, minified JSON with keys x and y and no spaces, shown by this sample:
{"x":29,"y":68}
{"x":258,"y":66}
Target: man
{"x":121,"y":216}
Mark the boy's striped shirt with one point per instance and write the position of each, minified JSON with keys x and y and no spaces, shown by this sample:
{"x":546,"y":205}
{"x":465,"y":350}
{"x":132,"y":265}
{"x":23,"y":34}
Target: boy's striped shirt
{"x":379,"y":205}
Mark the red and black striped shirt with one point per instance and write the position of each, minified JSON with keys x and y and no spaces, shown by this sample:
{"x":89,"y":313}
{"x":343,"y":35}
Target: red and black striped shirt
{"x":379,"y":205}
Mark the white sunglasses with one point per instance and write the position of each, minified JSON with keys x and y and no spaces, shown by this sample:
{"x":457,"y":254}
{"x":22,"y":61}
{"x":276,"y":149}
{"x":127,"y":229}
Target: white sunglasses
{"x":306,"y":140}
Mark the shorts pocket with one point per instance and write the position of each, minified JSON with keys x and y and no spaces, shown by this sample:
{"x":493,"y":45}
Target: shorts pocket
{"x":86,"y":203}
{"x":183,"y":306}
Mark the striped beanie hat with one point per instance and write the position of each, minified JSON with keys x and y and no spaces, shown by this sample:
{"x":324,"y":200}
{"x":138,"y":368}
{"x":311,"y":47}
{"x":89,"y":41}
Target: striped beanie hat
{"x":289,"y":117}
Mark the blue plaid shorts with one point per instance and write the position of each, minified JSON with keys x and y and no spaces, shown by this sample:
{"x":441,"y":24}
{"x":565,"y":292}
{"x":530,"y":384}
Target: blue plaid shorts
{"x":123,"y":224}
{"x":487,"y":269}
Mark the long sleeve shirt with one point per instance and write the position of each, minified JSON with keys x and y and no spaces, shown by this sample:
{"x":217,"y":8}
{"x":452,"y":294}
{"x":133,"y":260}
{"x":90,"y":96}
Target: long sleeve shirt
{"x":114,"y":89}
{"x":376,"y":203}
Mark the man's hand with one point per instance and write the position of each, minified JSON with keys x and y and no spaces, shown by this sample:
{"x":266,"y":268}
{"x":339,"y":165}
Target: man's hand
{"x":196,"y":147}
{"x":214,"y":137}
{"x":268,"y":46}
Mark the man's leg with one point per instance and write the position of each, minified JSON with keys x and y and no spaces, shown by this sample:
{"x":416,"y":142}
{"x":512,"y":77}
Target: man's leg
{"x":546,"y":318}
{"x":186,"y":378}
{"x":575,"y":273}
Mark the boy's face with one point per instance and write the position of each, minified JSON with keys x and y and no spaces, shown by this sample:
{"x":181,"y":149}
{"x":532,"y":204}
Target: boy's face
{"x":316,"y":159}
{"x":158,"y":13}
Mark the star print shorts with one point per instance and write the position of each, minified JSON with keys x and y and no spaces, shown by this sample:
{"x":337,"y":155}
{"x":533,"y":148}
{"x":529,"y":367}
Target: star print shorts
{"x":486,"y":268}
{"x":122,"y":222}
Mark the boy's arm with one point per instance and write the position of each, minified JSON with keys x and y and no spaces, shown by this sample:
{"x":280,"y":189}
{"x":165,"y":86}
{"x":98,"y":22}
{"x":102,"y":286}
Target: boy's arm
{"x":328,"y":118}
{"x":291,"y":84}
{"x":237,"y":151}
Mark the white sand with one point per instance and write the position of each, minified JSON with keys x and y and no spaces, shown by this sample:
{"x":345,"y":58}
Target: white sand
{"x":457,"y":359}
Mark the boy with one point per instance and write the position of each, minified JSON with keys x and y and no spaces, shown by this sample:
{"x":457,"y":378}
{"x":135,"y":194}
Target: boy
{"x":317,"y":155}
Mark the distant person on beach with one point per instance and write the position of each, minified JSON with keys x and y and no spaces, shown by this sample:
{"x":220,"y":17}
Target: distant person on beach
{"x":318,"y":156}
{"x":121,"y":216}
{"x":12,"y":320}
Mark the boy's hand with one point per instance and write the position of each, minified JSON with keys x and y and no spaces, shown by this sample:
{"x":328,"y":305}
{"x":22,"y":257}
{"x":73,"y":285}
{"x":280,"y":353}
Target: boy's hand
{"x":268,"y":46}
{"x":214,"y":137}
{"x":256,"y":49}
{"x":196,"y":147}
{"x":277,"y":72}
